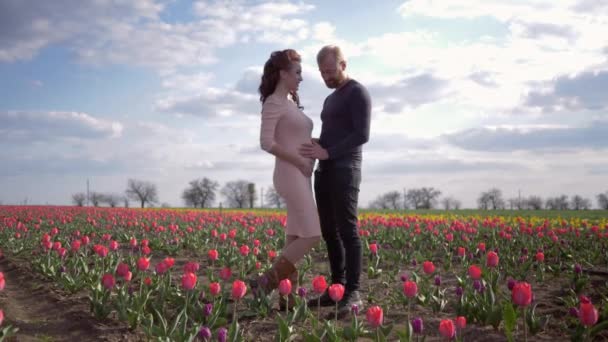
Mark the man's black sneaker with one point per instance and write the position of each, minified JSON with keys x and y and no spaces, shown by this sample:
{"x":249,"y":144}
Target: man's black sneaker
{"x":350,"y":303}
{"x":323,"y":300}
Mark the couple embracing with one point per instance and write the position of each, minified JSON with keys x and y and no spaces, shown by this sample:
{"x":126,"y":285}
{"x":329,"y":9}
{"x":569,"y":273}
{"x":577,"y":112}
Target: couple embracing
{"x":286,"y":134}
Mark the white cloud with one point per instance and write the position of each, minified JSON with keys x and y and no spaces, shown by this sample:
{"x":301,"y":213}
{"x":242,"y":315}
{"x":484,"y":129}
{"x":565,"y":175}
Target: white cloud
{"x":20,"y":126}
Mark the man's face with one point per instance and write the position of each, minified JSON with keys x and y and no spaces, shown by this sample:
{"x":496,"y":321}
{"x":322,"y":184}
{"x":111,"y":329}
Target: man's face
{"x":332,"y":71}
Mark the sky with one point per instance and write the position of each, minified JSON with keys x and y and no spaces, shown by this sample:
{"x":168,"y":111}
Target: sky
{"x":467,"y":95}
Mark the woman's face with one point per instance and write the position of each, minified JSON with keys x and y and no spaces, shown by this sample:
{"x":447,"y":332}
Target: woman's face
{"x":293,"y":76}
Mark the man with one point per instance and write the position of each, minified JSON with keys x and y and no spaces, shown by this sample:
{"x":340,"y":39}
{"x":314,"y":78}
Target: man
{"x":345,"y":128}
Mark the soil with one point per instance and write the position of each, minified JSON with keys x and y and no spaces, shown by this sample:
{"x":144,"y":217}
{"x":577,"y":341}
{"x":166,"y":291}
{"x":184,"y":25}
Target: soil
{"x":43,"y":314}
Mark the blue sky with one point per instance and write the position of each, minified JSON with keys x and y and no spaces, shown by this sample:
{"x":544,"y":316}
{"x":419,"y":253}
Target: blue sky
{"x":467,"y":94}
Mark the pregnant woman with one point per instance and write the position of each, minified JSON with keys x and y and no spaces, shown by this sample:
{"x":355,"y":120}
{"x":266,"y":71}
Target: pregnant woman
{"x":284,"y":128}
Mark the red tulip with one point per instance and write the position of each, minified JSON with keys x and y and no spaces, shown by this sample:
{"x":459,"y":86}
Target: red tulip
{"x":428,"y":267}
{"x":373,"y":248}
{"x":161,"y":268}
{"x":336,"y":292}
{"x":319,"y":284}
{"x":191,"y":267}
{"x":122,"y":269}
{"x":522,"y":294}
{"x":461,"y":322}
{"x":410,"y":289}
{"x":143,"y":264}
{"x":114,"y":245}
{"x":2,"y":281}
{"x":1,"y":316}
{"x":146,"y":250}
{"x":492,"y":259}
{"x":108,"y":281}
{"x":127,"y":276}
{"x":447,"y":328}
{"x":148,"y":281}
{"x":244,"y":250}
{"x":189,"y":280}
{"x":285,"y":287}
{"x":461,"y":251}
{"x":272,"y":254}
{"x":238,"y":289}
{"x":374,"y":316}
{"x":474,"y":272}
{"x":213,"y":254}
{"x":215,"y":288}
{"x":481,"y":246}
{"x":133,"y":242}
{"x":169,"y":262}
{"x":225,"y":273}
{"x":587,"y":314}
{"x":76,"y":245}
{"x":540,"y":257}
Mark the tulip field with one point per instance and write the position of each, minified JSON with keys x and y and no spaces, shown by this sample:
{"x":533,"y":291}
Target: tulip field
{"x":116,"y":274}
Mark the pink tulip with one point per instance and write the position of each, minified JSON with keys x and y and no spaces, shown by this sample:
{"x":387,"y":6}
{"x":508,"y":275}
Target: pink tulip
{"x":522,"y":294}
{"x":1,"y":317}
{"x":474,"y":272}
{"x":428,"y":267}
{"x":189,"y":281}
{"x":461,"y":322}
{"x":2,"y":281}
{"x":447,"y":328}
{"x":410,"y":289}
{"x":336,"y":292}
{"x":587,"y":314}
{"x":239,"y":288}
{"x":285,"y":287}
{"x":492,"y":259}
{"x":143,"y":264}
{"x":108,"y":281}
{"x":374,"y":316}
{"x":215,"y":288}
{"x":213,"y":254}
{"x":319,"y":284}
{"x":225,"y":273}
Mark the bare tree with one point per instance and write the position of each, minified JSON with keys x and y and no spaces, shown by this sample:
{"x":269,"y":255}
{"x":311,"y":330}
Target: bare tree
{"x":236,"y":193}
{"x":96,"y":198}
{"x":125,"y":201}
{"x":389,"y":200}
{"x":423,"y":198}
{"x":79,"y":199}
{"x":112,"y":199}
{"x":450,"y":203}
{"x":602,"y":201}
{"x":557,"y":203}
{"x":200,"y":192}
{"x":142,"y":191}
{"x":251,"y":194}
{"x":491,"y":199}
{"x":533,"y":203}
{"x":580,"y":203}
{"x":273,"y":198}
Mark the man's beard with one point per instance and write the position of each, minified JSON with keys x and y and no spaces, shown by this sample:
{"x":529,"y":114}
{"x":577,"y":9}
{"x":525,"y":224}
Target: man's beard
{"x":332,"y":83}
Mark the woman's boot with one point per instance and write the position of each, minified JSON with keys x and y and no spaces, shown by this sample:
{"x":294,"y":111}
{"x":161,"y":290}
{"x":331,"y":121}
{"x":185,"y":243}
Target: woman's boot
{"x":264,"y":284}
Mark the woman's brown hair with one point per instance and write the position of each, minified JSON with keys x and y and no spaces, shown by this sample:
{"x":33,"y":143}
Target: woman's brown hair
{"x":279,"y":60}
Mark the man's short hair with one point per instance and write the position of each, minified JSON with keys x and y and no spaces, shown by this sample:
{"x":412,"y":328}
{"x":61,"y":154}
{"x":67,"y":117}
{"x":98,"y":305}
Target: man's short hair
{"x":330,"y":50}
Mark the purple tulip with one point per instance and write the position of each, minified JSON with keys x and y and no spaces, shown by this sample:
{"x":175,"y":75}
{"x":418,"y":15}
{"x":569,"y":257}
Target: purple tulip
{"x":578,"y":269}
{"x":417,"y":325}
{"x":459,"y":291}
{"x":222,"y":334}
{"x":204,"y":333}
{"x":302,"y":292}
{"x":208,"y":309}
{"x":437,"y":280}
{"x":355,"y":309}
{"x":511,"y":283}
{"x":404,"y":277}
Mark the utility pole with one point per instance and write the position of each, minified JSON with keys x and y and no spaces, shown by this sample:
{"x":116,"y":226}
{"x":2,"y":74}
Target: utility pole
{"x":261,"y":197}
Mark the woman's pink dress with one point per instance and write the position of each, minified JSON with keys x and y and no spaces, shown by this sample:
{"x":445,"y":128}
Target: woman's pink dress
{"x":285,"y":124}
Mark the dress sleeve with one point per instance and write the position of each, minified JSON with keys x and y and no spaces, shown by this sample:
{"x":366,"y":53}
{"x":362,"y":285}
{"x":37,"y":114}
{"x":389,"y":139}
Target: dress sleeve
{"x":271,"y":113}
